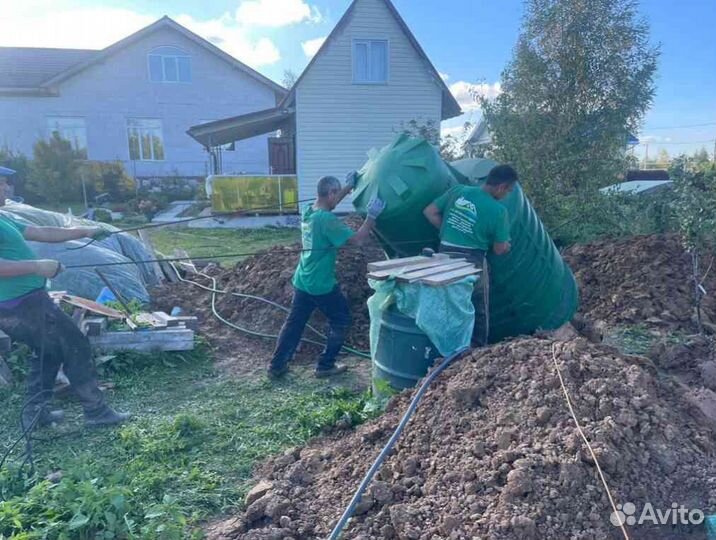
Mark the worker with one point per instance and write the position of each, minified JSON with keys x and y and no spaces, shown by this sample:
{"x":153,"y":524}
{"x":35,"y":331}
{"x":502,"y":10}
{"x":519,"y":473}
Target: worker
{"x":471,"y":223}
{"x":28,"y":315}
{"x":314,"y":281}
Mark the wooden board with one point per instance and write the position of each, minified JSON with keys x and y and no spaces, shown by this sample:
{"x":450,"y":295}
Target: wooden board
{"x":402,"y":270}
{"x":406,"y":261}
{"x":94,"y":326}
{"x":412,"y":277}
{"x":171,"y":339}
{"x":445,"y":278}
{"x":94,"y":307}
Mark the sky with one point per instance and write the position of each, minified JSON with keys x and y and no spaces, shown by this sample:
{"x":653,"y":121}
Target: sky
{"x":468,"y":41}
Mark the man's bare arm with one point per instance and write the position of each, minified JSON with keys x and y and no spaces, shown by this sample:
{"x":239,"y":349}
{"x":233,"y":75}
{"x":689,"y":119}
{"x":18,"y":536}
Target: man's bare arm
{"x":53,"y":235}
{"x":363,"y":233}
{"x":46,"y":268}
{"x":433,"y":214}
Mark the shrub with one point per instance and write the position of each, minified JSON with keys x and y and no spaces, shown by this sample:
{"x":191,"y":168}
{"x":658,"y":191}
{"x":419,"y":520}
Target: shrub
{"x":54,"y":171}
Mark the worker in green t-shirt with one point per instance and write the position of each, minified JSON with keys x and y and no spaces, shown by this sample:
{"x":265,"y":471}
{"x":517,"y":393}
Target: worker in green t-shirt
{"x":472,"y":222}
{"x":28,"y":315}
{"x":314,"y":282}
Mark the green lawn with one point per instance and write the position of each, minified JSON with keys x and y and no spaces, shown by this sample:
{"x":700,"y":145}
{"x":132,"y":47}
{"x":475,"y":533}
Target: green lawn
{"x":185,"y":458}
{"x":204,"y":243}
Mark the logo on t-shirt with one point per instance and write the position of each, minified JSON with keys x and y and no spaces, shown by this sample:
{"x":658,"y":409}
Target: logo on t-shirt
{"x":468,"y":206}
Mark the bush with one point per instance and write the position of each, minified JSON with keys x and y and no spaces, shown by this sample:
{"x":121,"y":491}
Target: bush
{"x":54,"y":171}
{"x":110,"y":178}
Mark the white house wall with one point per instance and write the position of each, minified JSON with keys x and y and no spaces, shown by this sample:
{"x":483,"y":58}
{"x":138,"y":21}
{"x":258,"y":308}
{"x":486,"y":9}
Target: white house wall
{"x":109,"y":93}
{"x":337,"y":121}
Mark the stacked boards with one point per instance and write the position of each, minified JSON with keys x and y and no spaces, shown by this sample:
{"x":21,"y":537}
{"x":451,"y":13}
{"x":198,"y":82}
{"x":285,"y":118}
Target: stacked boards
{"x":437,"y":270}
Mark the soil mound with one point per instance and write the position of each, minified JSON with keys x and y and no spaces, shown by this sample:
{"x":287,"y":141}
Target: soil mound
{"x":643,"y":279}
{"x":492,"y":452}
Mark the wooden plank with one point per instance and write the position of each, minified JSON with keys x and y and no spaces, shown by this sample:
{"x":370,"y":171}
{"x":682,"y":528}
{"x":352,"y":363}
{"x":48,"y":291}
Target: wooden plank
{"x":94,"y":326}
{"x":167,"y":269}
{"x":94,"y":307}
{"x":438,"y":280}
{"x":412,"y":277}
{"x":189,"y":322}
{"x":393,"y":263}
{"x":166,"y":319}
{"x":186,"y":264}
{"x":174,"y":339}
{"x":6,"y":378}
{"x":150,"y":319}
{"x":398,"y":270}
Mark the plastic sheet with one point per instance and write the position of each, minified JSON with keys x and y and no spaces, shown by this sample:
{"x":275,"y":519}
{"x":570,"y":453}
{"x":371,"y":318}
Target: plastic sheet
{"x":445,"y":314}
{"x":130,"y":280}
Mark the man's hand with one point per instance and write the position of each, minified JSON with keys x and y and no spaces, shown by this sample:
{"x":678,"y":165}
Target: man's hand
{"x":375,"y":208}
{"x":98,"y":233}
{"x":48,"y":268}
{"x":352,"y":179}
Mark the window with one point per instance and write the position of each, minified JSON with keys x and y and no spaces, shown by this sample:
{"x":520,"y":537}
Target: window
{"x":145,"y":139}
{"x":169,"y":64}
{"x":70,"y":129}
{"x":370,"y":61}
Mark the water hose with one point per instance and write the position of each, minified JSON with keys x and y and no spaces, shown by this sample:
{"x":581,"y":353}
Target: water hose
{"x":214,"y":291}
{"x":348,"y":513}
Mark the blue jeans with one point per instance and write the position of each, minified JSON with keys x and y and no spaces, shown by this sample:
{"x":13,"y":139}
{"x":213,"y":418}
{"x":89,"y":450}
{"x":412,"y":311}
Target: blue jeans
{"x":334,"y":306}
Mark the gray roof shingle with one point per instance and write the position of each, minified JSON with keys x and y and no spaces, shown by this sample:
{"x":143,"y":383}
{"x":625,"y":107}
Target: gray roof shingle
{"x":29,"y":67}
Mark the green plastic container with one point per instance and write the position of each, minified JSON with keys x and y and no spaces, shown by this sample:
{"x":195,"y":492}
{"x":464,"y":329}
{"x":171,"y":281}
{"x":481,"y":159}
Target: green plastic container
{"x":531,"y":287}
{"x":403,"y":355}
{"x":408,"y":174}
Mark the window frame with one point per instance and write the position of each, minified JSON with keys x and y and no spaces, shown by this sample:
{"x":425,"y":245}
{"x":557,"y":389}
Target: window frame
{"x":163,"y":57}
{"x":81,"y":120}
{"x":369,"y":42}
{"x":141,"y":130}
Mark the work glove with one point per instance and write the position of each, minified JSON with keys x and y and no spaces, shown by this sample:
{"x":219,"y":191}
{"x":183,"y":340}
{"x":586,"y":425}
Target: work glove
{"x":375,"y":207}
{"x":48,"y":268}
{"x":98,"y":233}
{"x":352,"y":179}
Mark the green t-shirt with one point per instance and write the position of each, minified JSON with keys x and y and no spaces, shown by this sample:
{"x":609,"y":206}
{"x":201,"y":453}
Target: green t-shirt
{"x":13,"y":247}
{"x":322,"y":233}
{"x":472,"y":219}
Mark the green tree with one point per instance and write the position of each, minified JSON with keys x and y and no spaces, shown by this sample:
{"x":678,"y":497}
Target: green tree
{"x":580,"y":80}
{"x":289,"y":79}
{"x":110,"y":178}
{"x":54,"y":171}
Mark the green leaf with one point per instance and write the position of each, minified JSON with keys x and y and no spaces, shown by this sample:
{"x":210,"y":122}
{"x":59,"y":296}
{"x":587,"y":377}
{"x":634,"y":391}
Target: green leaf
{"x":78,"y":520}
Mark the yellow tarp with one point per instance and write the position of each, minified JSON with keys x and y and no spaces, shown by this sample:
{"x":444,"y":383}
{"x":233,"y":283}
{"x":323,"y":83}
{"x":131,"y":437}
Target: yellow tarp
{"x":262,"y":194}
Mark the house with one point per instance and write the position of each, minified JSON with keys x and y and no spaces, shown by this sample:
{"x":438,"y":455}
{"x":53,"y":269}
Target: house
{"x":367,"y":81}
{"x":134,"y":100}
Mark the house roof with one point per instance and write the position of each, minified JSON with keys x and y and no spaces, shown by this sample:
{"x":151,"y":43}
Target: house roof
{"x":450,"y":106}
{"x":240,"y":127}
{"x":25,"y":69}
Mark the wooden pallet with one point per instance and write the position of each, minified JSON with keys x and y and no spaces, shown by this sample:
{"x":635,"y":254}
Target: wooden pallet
{"x":436,"y":271}
{"x":149,"y":332}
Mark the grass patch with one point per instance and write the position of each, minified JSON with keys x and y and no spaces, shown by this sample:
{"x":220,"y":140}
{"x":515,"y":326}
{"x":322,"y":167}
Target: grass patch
{"x":203,"y":243}
{"x":639,"y":339}
{"x":186,"y":456}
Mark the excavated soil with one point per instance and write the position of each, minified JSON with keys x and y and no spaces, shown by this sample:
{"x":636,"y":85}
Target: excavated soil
{"x":643,"y":279}
{"x":492,"y":453}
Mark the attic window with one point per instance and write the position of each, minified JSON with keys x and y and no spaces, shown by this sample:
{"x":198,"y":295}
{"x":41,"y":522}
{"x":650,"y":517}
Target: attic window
{"x":169,"y":64}
{"x":370,"y":61}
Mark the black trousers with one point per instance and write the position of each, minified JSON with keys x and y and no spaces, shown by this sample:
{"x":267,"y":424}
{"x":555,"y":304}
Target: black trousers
{"x":481,"y":292}
{"x":55,"y":341}
{"x":334,"y":306}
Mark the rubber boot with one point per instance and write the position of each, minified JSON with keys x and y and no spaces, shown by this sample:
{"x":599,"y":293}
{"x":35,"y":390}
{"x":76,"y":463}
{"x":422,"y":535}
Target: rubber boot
{"x":331,"y":372}
{"x":97,"y":412}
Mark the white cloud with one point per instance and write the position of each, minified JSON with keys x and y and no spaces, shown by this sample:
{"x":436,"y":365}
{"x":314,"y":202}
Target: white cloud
{"x":49,"y":23}
{"x":466,"y":93}
{"x":232,"y":38}
{"x":443,"y":76}
{"x":276,"y":13}
{"x":310,"y":47}
{"x":454,"y":131}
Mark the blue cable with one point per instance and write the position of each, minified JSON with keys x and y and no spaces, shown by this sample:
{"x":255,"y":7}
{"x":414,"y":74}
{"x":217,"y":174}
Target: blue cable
{"x":348,"y":513}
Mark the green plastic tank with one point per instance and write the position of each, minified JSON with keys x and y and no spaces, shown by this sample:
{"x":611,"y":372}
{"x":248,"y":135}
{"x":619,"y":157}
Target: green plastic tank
{"x":531,"y":287}
{"x":403,"y":354}
{"x":408,"y":174}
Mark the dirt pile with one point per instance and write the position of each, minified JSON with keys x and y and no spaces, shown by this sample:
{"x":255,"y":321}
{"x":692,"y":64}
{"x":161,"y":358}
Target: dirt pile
{"x":492,"y":452}
{"x":268,"y":274}
{"x":644,"y":279}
